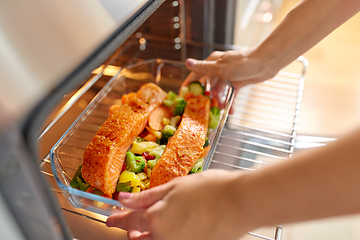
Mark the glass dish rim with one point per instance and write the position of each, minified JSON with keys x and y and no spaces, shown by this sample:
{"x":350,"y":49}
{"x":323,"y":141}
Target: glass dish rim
{"x":54,"y":161}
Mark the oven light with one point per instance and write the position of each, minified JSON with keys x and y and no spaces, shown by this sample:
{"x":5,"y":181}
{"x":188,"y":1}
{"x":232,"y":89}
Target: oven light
{"x":267,"y":17}
{"x":110,"y":70}
{"x":142,"y":41}
{"x":175,"y":3}
{"x":264,"y":17}
{"x":266,"y":5}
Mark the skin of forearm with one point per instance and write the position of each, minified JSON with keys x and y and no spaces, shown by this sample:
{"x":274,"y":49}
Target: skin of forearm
{"x":302,"y":28}
{"x":320,"y":183}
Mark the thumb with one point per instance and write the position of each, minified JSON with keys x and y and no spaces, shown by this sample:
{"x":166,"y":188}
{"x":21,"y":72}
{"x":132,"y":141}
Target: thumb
{"x":144,"y":199}
{"x":204,"y":67}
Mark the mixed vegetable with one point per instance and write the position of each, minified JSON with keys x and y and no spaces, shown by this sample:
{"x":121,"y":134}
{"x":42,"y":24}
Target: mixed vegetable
{"x":148,"y":147}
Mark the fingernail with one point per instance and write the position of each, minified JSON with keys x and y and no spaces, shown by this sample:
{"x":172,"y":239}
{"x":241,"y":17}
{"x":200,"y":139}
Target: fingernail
{"x":108,"y":223}
{"x":190,"y":62}
{"x":125,"y":195}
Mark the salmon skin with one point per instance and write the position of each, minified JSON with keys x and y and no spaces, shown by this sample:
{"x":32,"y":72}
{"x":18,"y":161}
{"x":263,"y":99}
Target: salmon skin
{"x":105,"y":155}
{"x":186,"y":146}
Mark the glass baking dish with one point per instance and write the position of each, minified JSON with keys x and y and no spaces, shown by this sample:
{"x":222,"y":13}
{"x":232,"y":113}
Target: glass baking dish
{"x":66,"y":154}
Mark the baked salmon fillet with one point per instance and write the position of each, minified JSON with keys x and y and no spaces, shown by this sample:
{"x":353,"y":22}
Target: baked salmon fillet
{"x":104,"y":157}
{"x":186,"y":146}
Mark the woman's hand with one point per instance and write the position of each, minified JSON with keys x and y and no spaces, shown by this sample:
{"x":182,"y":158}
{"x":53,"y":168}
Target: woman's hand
{"x":241,"y":67}
{"x":217,"y":204}
{"x":198,"y":206}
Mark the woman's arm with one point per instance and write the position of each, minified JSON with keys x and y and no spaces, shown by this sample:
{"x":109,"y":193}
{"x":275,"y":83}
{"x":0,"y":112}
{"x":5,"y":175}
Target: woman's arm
{"x":302,"y":28}
{"x":218,"y":204}
{"x":324,"y":182}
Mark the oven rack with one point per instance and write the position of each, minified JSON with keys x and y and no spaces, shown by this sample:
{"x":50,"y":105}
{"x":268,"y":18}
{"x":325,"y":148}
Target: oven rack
{"x":262,"y":128}
{"x":259,"y":132}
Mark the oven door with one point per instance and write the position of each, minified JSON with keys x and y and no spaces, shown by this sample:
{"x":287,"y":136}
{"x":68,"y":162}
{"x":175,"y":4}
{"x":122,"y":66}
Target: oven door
{"x":47,"y":50}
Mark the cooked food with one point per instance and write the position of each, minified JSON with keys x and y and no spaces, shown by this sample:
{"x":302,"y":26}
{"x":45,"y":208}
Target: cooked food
{"x":196,"y":88}
{"x":104,"y":157}
{"x":186,"y":146}
{"x":149,"y":139}
{"x":156,"y":117}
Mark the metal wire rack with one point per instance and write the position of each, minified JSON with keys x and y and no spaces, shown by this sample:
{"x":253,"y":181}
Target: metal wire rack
{"x":261,"y":131}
